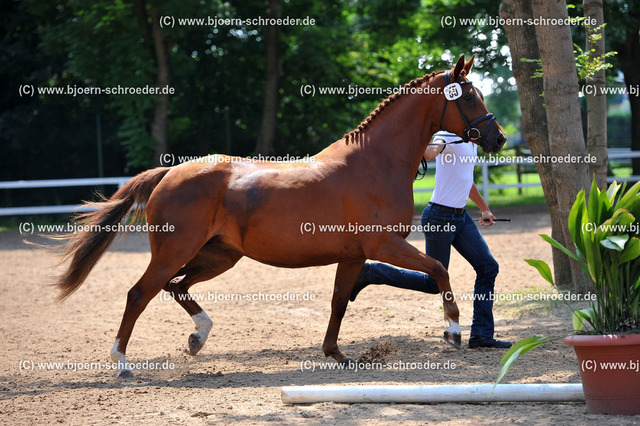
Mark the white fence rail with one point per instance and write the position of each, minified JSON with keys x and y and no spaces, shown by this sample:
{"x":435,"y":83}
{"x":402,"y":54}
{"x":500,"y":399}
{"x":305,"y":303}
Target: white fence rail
{"x":485,"y":186}
{"x":54,"y":183}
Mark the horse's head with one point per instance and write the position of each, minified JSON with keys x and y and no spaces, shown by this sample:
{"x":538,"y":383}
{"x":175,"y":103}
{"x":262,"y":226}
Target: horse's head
{"x":470,"y":120}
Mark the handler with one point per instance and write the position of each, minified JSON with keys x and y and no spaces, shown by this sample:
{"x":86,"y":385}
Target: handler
{"x":449,"y":224}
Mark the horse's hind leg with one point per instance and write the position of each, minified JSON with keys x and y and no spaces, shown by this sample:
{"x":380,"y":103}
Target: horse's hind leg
{"x":346,"y":275}
{"x":210,"y":262}
{"x":160,"y":269}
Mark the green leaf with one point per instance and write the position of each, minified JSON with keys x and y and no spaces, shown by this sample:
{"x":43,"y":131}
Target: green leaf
{"x":593,"y":209}
{"x":592,"y":256}
{"x":605,"y":229}
{"x":635,"y":305}
{"x":605,"y":206}
{"x":617,"y":225}
{"x":519,"y":348}
{"x":579,"y":317}
{"x":637,"y":284}
{"x":575,"y":220}
{"x":542,"y":268}
{"x":631,"y":251}
{"x":583,"y":264}
{"x":559,"y":246}
{"x":624,"y":217}
{"x":628,"y":199}
{"x":615,"y":242}
{"x":591,"y":252}
{"x":613,"y":190}
{"x":523,"y":344}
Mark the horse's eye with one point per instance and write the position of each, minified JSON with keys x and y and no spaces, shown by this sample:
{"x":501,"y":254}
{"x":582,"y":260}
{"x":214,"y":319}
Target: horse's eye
{"x":468,"y":98}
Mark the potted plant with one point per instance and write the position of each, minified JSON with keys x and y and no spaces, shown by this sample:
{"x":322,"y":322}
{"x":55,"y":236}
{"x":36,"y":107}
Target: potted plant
{"x":604,"y":229}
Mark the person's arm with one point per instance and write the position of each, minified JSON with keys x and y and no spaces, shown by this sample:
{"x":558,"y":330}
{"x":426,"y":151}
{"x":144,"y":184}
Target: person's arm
{"x":433,"y":149}
{"x":475,"y":196}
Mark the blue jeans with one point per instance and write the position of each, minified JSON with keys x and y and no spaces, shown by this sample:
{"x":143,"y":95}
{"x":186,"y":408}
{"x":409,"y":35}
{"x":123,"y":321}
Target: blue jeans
{"x":446,"y":229}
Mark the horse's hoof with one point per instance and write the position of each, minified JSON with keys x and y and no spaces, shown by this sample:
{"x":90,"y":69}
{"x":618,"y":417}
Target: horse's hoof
{"x":125,"y":374}
{"x":347,"y":363}
{"x":454,"y":339}
{"x":195,"y":344}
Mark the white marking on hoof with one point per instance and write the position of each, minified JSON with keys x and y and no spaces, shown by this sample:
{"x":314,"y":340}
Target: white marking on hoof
{"x":454,"y":327}
{"x":117,"y":356}
{"x":203,"y":326}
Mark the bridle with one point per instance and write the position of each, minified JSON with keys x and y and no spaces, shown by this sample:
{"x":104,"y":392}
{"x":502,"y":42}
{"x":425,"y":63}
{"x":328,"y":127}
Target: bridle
{"x":453,"y":92}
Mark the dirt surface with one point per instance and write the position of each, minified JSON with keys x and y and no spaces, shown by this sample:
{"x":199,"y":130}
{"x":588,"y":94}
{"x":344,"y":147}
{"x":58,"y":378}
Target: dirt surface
{"x":258,"y":346}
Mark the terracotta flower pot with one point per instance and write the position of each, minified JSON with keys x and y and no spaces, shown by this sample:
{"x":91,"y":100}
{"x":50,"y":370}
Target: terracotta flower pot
{"x":610,"y":371}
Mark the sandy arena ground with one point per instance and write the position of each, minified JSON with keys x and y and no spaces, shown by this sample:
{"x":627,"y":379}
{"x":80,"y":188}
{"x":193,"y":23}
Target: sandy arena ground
{"x":256,"y":347}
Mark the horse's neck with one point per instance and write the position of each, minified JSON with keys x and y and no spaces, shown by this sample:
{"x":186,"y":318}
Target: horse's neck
{"x":395,"y":141}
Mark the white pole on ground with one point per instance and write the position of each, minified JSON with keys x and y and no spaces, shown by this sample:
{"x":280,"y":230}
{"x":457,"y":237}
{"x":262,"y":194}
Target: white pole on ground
{"x":427,"y":394}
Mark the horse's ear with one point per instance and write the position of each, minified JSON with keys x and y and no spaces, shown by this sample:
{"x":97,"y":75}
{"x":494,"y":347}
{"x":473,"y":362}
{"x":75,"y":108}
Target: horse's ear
{"x":459,"y":67}
{"x":469,"y":64}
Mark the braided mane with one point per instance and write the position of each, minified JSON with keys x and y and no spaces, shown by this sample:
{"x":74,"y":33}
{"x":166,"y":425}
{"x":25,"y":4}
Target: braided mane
{"x":351,"y":136}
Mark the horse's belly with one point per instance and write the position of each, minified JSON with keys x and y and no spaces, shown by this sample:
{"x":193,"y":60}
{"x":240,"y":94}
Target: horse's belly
{"x":290,"y":250}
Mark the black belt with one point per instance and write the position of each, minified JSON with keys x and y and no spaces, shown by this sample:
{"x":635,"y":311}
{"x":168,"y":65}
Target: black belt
{"x":448,"y":209}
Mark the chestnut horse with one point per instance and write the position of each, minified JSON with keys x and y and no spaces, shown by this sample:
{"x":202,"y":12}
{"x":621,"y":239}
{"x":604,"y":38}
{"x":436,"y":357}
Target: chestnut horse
{"x":222,"y":210}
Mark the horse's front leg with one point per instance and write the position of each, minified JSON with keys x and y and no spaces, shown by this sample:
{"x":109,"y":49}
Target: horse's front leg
{"x":345,"y":279}
{"x":398,"y":252}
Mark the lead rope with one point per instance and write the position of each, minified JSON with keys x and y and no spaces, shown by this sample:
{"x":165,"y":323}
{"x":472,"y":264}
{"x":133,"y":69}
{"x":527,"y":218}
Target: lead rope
{"x":421,"y":174}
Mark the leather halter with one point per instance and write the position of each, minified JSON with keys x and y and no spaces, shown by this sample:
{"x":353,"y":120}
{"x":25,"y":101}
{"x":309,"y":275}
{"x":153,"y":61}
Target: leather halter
{"x":470,"y":133}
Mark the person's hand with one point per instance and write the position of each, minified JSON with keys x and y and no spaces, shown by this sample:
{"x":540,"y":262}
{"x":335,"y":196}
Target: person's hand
{"x":488,"y":219}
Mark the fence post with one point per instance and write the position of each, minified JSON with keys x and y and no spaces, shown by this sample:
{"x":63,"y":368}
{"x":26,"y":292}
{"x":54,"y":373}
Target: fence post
{"x":485,"y":182}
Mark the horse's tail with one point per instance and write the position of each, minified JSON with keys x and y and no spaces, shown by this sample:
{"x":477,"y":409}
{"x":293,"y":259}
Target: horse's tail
{"x":97,"y":229}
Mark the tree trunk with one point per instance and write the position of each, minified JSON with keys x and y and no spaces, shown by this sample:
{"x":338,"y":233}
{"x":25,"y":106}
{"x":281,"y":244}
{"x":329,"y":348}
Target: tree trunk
{"x":596,"y":99}
{"x":564,"y":122}
{"x":632,"y":79}
{"x":140,"y":9}
{"x":629,"y":57}
{"x":161,"y":107}
{"x":270,"y":107}
{"x":523,"y":44}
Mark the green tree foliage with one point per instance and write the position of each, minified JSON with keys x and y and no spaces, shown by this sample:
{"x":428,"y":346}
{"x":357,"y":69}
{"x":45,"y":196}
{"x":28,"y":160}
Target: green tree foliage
{"x":46,"y":136}
{"x":218,"y":74}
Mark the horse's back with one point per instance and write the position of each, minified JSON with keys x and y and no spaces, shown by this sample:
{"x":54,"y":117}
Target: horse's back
{"x":278,"y":210}
{"x":272,"y":212}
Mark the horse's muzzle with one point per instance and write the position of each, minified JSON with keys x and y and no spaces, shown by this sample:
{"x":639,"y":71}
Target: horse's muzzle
{"x":494,"y":141}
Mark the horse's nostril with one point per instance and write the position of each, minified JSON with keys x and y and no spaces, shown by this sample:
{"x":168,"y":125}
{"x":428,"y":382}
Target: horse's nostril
{"x":501,"y":139}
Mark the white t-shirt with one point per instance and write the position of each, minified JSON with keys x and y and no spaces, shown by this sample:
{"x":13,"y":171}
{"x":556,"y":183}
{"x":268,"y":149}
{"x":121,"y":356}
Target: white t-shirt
{"x":454,"y":171}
